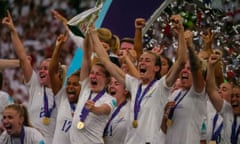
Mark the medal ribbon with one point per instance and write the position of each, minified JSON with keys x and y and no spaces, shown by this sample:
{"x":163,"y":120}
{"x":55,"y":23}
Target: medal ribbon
{"x":72,"y":106}
{"x":216,"y":135}
{"x":48,"y":111}
{"x":22,"y":135}
{"x":85,"y":112}
{"x":235,"y":133}
{"x":113,"y":116}
{"x":171,"y":112}
{"x":139,"y":97}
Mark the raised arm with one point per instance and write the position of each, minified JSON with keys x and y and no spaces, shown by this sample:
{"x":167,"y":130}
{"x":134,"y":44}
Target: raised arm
{"x":219,"y":70}
{"x":76,"y":39}
{"x":61,"y":18}
{"x":173,"y":73}
{"x":128,"y":59}
{"x":207,"y":41}
{"x":138,"y":46}
{"x":211,"y":86}
{"x":103,"y":56}
{"x":86,"y":63}
{"x":19,"y":48}
{"x":54,"y":65}
{"x":196,"y":70}
{"x":9,"y":63}
{"x":208,"y":37}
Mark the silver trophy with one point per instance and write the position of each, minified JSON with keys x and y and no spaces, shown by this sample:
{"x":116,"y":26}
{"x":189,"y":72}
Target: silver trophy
{"x":80,"y":23}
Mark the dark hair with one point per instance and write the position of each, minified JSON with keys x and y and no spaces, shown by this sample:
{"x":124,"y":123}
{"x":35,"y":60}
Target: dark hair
{"x":169,"y":61}
{"x":127,"y":39}
{"x":77,"y":73}
{"x":22,"y":110}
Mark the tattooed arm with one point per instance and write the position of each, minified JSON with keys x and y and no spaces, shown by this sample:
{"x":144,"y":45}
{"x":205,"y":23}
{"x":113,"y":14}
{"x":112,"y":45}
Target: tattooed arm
{"x":196,"y":69}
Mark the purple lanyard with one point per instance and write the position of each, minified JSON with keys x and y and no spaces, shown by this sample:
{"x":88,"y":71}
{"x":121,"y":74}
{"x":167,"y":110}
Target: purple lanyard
{"x":22,"y":135}
{"x":85,"y":112}
{"x":47,"y":111}
{"x":216,"y":135}
{"x":139,"y":97}
{"x":113,"y":116}
{"x":72,"y":106}
{"x":170,"y":115}
{"x":235,"y":131}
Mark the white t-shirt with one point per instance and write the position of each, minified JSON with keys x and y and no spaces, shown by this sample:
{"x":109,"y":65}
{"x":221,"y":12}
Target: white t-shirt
{"x":35,"y":107}
{"x":117,"y":129}
{"x":94,"y":124}
{"x":64,"y":119}
{"x":187,"y":118}
{"x":211,"y":112}
{"x":32,"y":136}
{"x":151,"y":111}
{"x":228,"y":118}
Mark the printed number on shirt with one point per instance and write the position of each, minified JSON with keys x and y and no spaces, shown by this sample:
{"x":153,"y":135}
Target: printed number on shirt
{"x":66,"y":125}
{"x":42,"y":114}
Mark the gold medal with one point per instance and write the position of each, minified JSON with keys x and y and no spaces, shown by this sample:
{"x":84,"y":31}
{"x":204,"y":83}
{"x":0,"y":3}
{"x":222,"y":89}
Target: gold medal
{"x":135,"y":123}
{"x":212,"y":142}
{"x":80,"y":125}
{"x":46,"y":120}
{"x":169,"y":122}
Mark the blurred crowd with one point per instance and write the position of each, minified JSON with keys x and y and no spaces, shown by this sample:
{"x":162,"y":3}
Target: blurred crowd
{"x":38,"y":30}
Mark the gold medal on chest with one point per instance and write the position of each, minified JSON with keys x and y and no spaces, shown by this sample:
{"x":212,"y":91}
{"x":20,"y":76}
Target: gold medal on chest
{"x":80,"y":125}
{"x":169,"y":122}
{"x":135,"y":123}
{"x":46,"y":120}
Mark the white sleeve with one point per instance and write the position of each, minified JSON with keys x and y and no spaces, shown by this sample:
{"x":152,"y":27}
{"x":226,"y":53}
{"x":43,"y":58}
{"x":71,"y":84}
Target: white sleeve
{"x":4,"y":138}
{"x":37,"y":137}
{"x":76,"y":39}
{"x":159,"y":138}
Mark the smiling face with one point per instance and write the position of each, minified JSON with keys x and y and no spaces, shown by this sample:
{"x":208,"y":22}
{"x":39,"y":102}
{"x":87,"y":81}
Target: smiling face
{"x":43,"y":73}
{"x":73,"y":88}
{"x":147,"y":67}
{"x":235,"y":100}
{"x":12,"y":121}
{"x":225,"y":91}
{"x":98,"y":78}
{"x":186,"y":76}
{"x":117,"y":90}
